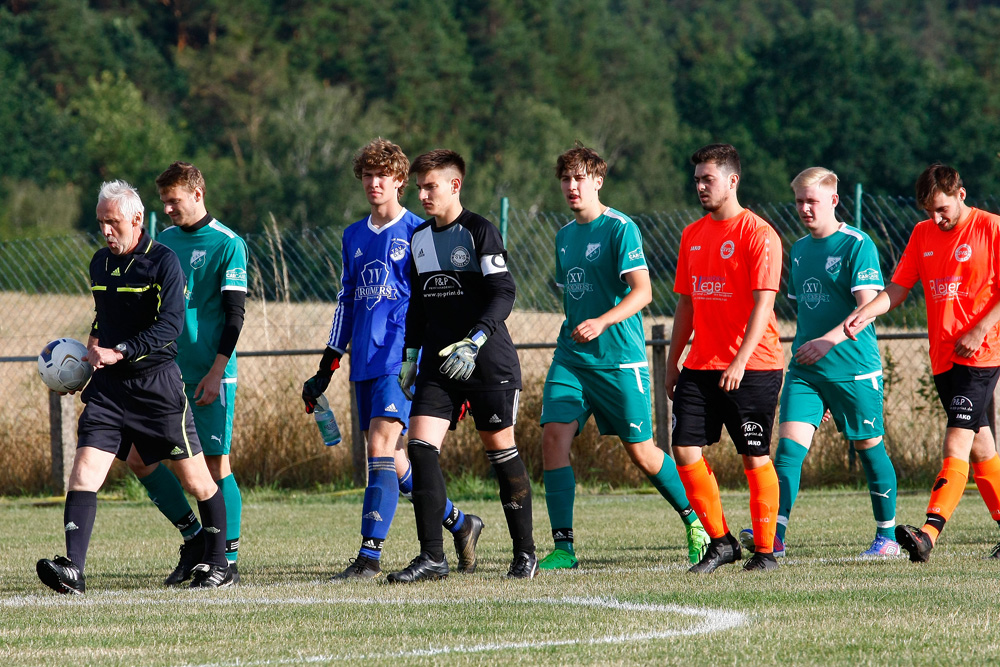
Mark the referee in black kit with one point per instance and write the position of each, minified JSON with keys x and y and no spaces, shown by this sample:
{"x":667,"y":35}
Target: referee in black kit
{"x":136,"y":394}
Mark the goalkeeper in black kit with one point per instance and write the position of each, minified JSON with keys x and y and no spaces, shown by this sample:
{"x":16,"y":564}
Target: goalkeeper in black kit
{"x":462,"y":294}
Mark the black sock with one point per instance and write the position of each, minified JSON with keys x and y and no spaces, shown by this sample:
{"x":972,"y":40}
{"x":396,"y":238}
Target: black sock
{"x":213,"y":526}
{"x":429,"y":496}
{"x":515,"y":494}
{"x":78,"y":522}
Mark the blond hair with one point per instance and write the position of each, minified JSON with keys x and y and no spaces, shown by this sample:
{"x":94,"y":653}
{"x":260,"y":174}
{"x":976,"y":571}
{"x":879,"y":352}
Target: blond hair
{"x":815,"y":176}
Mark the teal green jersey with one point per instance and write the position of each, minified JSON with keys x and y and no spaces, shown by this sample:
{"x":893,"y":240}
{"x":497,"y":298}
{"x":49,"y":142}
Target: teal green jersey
{"x":591,"y":263}
{"x":825,"y":273}
{"x":214,"y":260}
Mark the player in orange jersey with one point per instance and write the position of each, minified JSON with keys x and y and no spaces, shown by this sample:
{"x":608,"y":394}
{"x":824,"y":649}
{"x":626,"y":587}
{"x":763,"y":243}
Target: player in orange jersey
{"x":955,"y":255}
{"x":728,"y":270}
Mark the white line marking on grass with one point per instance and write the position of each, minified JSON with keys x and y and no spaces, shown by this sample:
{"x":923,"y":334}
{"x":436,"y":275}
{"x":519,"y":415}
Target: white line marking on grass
{"x":710,"y":620}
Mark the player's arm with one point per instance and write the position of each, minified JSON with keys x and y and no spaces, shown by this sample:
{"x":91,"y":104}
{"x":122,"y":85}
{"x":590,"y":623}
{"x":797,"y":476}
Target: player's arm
{"x":639,"y":296}
{"x":341,"y":331}
{"x":679,"y":337}
{"x":813,"y":350}
{"x":234,"y":312}
{"x":884,"y":301}
{"x":763,"y":305}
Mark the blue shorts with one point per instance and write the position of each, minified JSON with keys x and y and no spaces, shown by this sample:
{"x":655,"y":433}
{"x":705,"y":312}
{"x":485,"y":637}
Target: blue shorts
{"x":381,"y":397}
{"x":214,"y":421}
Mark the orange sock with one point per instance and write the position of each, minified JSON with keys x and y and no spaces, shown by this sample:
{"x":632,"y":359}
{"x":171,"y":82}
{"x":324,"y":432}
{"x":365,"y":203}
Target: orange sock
{"x":763,"y":506}
{"x":948,"y":489}
{"x":703,"y":494}
{"x":987,"y":476}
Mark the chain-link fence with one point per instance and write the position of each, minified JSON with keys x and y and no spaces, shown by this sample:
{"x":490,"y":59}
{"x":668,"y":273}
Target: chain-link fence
{"x":44,"y":294}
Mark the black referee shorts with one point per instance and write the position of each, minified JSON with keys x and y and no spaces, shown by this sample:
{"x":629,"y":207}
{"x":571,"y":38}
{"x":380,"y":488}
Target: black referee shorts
{"x":149,"y":411}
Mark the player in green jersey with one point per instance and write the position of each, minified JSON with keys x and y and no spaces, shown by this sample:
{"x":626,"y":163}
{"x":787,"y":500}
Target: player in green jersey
{"x":833,"y":270}
{"x":214,"y":261}
{"x":599,"y":366}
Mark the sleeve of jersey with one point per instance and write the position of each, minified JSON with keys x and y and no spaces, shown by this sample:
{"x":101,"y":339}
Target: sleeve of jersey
{"x":343,"y":317}
{"x":415,"y":317}
{"x":682,"y":283}
{"x":170,"y":318}
{"x":907,"y":272}
{"x":630,"y":254}
{"x":234,"y":263}
{"x":765,"y":260}
{"x":792,"y":281}
{"x":498,"y":284}
{"x":867,"y":272}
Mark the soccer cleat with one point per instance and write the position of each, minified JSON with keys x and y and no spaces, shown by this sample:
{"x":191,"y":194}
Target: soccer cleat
{"x":559,"y":559}
{"x":190,"y":555}
{"x":61,"y":575}
{"x":465,"y":543}
{"x":916,"y":542}
{"x":746,"y":539}
{"x":761,"y":561}
{"x":524,"y":566}
{"x":995,"y":554}
{"x":721,"y":551}
{"x":882,"y":547}
{"x":236,"y":572}
{"x":361,"y":567}
{"x":212,"y":576}
{"x":421,"y":568}
{"x":697,"y":539}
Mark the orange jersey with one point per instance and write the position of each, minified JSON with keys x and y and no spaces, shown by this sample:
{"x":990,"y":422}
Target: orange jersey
{"x":720,"y":264}
{"x":959,"y":271}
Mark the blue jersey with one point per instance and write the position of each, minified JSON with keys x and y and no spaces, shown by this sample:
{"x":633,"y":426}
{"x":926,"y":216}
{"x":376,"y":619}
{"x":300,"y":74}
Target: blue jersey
{"x":371,"y":307}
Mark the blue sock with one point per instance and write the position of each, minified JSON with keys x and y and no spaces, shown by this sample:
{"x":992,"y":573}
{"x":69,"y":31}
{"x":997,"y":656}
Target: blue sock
{"x":379,"y":508}
{"x":406,"y":483}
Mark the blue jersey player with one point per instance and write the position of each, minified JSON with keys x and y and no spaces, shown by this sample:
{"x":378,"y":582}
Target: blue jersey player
{"x":371,"y":316}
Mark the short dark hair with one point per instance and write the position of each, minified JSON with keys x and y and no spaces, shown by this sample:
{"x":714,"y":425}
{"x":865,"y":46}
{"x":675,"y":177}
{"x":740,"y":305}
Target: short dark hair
{"x":937,"y":178}
{"x":181,"y":173}
{"x":439,"y":158}
{"x":724,"y":155}
{"x":581,"y":157}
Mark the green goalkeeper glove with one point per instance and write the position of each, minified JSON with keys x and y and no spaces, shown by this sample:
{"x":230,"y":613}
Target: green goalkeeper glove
{"x":408,"y":372}
{"x":461,"y":356}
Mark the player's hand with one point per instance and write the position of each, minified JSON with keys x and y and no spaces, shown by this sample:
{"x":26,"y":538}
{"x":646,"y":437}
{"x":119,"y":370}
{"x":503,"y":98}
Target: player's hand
{"x":208,"y":389}
{"x":855,"y":323}
{"x":827,"y":416}
{"x":732,"y":376}
{"x":812,"y":351}
{"x":314,"y":387}
{"x":460,"y":357}
{"x":670,"y":381}
{"x":970,"y":342}
{"x":99,"y":357}
{"x":588,"y":330}
{"x":408,"y":372}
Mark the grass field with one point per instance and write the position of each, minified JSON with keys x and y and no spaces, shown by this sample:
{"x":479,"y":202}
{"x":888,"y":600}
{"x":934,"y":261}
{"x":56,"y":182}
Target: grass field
{"x":631,"y":601}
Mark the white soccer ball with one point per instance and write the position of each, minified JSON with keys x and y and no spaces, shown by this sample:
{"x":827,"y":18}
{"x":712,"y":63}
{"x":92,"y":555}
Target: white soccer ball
{"x":63,"y":365}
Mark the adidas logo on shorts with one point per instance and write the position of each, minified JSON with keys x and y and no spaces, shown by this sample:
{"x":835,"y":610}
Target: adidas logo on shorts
{"x":391,"y":408}
{"x":494,"y":419}
{"x":175,"y":451}
{"x":357,"y":253}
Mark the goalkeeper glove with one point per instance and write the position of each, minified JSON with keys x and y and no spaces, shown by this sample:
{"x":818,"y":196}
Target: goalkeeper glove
{"x":408,"y":372}
{"x":314,"y":387}
{"x":461,"y":356}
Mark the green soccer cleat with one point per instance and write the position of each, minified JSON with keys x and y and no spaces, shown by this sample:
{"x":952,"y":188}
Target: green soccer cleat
{"x":698,"y":540}
{"x":559,"y":559}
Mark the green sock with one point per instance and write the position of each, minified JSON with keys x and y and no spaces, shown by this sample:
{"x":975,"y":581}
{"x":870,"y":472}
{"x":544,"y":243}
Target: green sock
{"x":881,"y":487}
{"x":788,"y":464}
{"x":234,"y":515}
{"x":668,"y":483}
{"x":168,"y":496}
{"x":560,"y":493}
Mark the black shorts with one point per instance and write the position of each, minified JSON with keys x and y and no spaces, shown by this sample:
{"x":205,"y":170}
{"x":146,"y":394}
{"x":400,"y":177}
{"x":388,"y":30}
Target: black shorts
{"x":492,"y":410}
{"x":966,"y":393}
{"x":149,"y":411}
{"x":701,"y":408}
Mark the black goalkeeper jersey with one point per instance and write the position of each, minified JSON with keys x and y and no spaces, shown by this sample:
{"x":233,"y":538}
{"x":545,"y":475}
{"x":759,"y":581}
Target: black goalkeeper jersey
{"x":459,"y":283}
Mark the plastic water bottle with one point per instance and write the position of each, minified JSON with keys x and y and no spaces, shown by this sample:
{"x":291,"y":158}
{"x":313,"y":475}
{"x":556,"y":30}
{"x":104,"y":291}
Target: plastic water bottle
{"x":326,"y":422}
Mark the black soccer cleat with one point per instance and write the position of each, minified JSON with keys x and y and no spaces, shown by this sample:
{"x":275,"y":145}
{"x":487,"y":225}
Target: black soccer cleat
{"x":524,"y":566}
{"x":421,"y":568}
{"x":761,"y":561}
{"x":995,"y":554}
{"x":212,"y":576}
{"x":61,"y":575}
{"x":721,"y":551}
{"x":466,"y":541}
{"x":190,"y":555}
{"x":916,"y":542}
{"x":360,"y":568}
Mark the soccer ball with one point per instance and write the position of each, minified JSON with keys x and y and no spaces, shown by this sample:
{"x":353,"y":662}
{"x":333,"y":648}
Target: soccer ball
{"x":63,"y":365}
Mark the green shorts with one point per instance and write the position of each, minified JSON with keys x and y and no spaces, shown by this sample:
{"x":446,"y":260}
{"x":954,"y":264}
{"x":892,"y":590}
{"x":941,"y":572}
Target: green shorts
{"x":856,"y":405}
{"x":618,"y":398}
{"x":214,"y":422}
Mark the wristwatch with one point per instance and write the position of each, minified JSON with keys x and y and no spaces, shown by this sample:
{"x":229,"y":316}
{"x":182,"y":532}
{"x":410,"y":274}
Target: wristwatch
{"x":120,"y":347}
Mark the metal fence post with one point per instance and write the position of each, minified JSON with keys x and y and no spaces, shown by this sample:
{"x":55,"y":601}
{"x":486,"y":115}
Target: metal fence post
{"x":62,"y":433}
{"x":857,"y":205}
{"x":661,"y":404}
{"x":504,"y":215}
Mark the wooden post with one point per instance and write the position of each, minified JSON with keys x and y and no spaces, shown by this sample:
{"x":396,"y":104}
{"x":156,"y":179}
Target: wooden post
{"x":62,"y":435}
{"x":661,"y":404}
{"x":359,"y":457}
